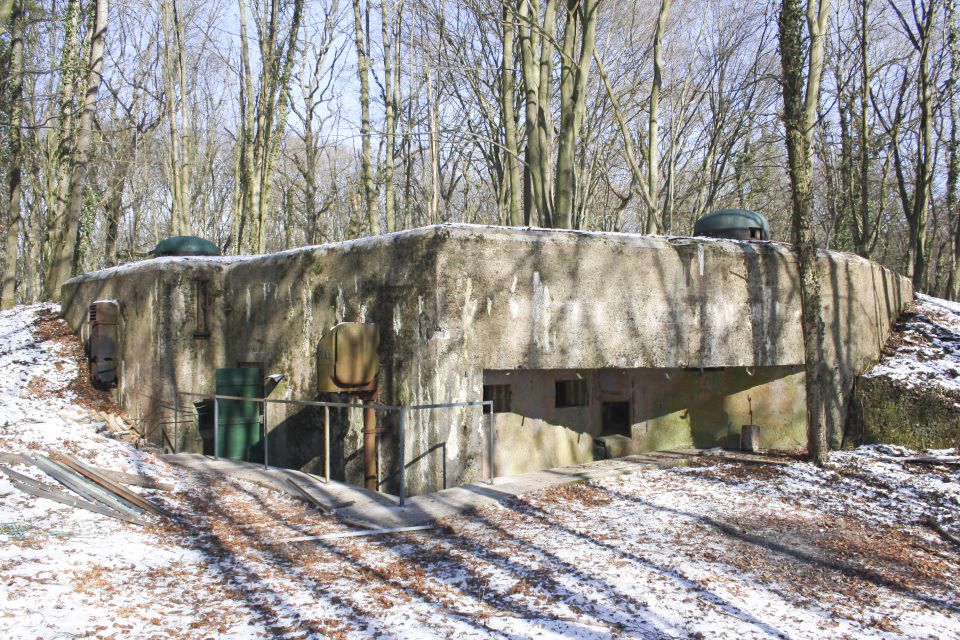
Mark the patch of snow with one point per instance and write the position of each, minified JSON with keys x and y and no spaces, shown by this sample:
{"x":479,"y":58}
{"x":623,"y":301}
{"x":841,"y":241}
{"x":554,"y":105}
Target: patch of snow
{"x":928,"y":349}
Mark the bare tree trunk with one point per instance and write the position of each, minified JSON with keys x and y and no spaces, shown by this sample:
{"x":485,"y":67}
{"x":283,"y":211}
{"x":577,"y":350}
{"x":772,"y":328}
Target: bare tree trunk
{"x":434,"y":148}
{"x":361,"y":26}
{"x":953,"y":153}
{"x":245,"y":144}
{"x":800,"y":99}
{"x":390,"y":108}
{"x":65,"y":141}
{"x":66,"y":253}
{"x":654,"y":222}
{"x":864,"y":231}
{"x":921,"y":192}
{"x":574,"y":74}
{"x":174,"y":72}
{"x":263,"y":121}
{"x":536,"y":62}
{"x":917,"y":210}
{"x":7,"y":297}
{"x":508,"y":84}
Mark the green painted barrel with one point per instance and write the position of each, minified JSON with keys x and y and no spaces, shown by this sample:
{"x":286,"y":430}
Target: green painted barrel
{"x":185,"y":246}
{"x":239,"y":420}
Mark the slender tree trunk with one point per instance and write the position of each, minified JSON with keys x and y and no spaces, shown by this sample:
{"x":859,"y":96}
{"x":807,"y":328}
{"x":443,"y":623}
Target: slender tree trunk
{"x":800,"y":99}
{"x":536,"y":62}
{"x":7,"y":297}
{"x":174,"y":79}
{"x":389,"y":84}
{"x":434,"y":149}
{"x":953,"y":153}
{"x":921,"y":192}
{"x":66,"y":253}
{"x":654,"y":222}
{"x":366,"y":157}
{"x":574,"y":75}
{"x":65,"y":141}
{"x":508,"y":84}
{"x":864,"y":233}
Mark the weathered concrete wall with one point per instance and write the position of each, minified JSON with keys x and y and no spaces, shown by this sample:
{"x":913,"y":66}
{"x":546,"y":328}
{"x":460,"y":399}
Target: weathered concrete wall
{"x":669,"y":408}
{"x":884,"y":411}
{"x":453,"y":301}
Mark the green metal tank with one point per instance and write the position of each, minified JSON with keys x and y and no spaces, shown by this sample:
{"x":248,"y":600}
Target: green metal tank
{"x":735,"y":224}
{"x":185,"y":246}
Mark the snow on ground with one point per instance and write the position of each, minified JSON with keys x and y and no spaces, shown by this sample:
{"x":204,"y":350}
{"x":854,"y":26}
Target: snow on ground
{"x":715,"y":550}
{"x":927,"y":351}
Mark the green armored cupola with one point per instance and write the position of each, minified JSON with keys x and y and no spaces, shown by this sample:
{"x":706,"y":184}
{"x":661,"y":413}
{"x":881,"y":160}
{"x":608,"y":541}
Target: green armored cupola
{"x":185,"y":246}
{"x":734,"y":224}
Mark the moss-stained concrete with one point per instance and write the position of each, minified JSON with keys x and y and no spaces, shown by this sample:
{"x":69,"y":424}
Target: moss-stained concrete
{"x":454,"y":301}
{"x":543,"y":445}
{"x":669,"y":408}
{"x":920,"y":418}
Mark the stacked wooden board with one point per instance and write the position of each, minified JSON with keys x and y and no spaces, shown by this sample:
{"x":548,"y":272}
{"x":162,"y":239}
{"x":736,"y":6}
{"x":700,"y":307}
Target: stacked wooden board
{"x":97,"y":490}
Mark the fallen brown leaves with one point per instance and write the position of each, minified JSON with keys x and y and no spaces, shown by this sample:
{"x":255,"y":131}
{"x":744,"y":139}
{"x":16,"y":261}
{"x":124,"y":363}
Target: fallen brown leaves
{"x":50,"y":327}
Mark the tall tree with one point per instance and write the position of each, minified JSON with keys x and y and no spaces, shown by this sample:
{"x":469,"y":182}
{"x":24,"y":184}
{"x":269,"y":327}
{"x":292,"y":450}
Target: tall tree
{"x":390,"y":30}
{"x":953,"y":149}
{"x":918,"y":30}
{"x":581,"y":20}
{"x":508,"y":83}
{"x":181,"y":149}
{"x":801,"y":96}
{"x":264,"y":118}
{"x":361,"y":33}
{"x":7,"y":299}
{"x":64,"y":255}
{"x":317,"y":75}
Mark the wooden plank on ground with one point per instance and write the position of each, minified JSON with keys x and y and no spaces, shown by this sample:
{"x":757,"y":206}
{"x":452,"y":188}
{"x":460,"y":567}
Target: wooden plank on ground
{"x":84,"y":487}
{"x":134,"y":479}
{"x":13,"y":458}
{"x":308,"y":498}
{"x":32,"y":487}
{"x":951,"y":460}
{"x":107,"y":484}
{"x":116,"y":476}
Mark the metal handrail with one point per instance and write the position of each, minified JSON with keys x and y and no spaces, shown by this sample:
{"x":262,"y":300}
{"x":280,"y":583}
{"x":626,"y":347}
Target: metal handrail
{"x":402,"y":409}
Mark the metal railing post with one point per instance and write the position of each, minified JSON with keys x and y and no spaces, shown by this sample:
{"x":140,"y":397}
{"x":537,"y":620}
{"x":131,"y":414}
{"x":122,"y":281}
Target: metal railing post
{"x":326,"y":443}
{"x":490,"y":442}
{"x":216,"y":427}
{"x":265,"y":436}
{"x":403,"y":456}
{"x":176,"y":419}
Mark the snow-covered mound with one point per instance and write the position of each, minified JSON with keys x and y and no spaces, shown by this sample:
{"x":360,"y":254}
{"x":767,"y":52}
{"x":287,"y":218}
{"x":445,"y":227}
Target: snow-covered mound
{"x":39,"y":408}
{"x":924,"y":350}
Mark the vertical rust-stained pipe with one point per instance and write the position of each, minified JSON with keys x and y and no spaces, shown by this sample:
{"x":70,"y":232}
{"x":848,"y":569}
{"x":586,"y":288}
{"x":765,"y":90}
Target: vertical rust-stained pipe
{"x":369,"y":442}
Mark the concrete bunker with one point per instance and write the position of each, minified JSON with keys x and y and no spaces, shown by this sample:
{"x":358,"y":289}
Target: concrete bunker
{"x":587,"y":344}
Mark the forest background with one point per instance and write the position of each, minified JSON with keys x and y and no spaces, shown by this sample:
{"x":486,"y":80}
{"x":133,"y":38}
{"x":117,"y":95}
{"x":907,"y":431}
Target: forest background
{"x":268,"y":124}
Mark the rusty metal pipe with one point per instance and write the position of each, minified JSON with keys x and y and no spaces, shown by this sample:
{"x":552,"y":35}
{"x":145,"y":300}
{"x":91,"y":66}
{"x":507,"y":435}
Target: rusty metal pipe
{"x":370,"y":443}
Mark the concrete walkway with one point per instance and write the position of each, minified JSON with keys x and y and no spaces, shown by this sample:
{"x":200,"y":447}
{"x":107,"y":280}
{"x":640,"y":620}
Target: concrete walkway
{"x":371,"y":510}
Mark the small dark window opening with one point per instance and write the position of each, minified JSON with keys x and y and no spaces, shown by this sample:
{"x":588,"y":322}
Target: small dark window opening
{"x":202,"y":315}
{"x":500,"y":395}
{"x":571,"y":393}
{"x":615,"y":418}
